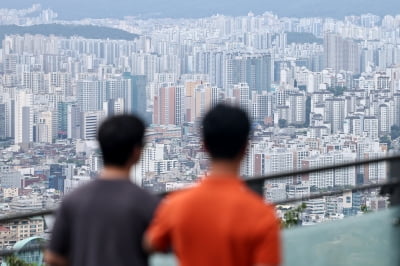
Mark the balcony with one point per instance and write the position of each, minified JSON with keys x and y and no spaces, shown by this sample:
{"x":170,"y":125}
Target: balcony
{"x":368,"y":239}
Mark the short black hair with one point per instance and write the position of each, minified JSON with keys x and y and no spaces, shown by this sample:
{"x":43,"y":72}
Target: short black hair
{"x":225,"y":131}
{"x":118,"y":136}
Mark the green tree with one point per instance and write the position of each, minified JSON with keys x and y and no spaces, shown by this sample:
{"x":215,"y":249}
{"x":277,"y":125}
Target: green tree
{"x":385,"y":139}
{"x":364,"y":208}
{"x":395,"y":132}
{"x":337,"y":90}
{"x":292,"y":217}
{"x":15,"y":261}
{"x":282,"y":123}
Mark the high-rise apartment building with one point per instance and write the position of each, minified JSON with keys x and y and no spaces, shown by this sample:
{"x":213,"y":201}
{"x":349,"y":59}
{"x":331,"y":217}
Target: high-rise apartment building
{"x":199,"y":99}
{"x":262,"y":106}
{"x":7,"y":113}
{"x":62,"y":119}
{"x":74,"y":121}
{"x":136,"y":96}
{"x":335,"y":113}
{"x":371,"y":127}
{"x":396,"y":107}
{"x":114,"y":107}
{"x":91,"y":94}
{"x":3,"y":121}
{"x":90,"y":123}
{"x":61,"y":80}
{"x":255,"y":70}
{"x":341,"y":54}
{"x":23,"y":117}
{"x":241,"y":95}
{"x":46,"y":127}
{"x":169,"y":105}
{"x":384,"y":118}
{"x":297,"y":108}
{"x":259,"y":71}
{"x":353,"y":125}
{"x":34,"y":81}
{"x":319,"y":179}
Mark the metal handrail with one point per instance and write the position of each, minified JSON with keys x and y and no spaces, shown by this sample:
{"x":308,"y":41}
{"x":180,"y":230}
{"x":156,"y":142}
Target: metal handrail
{"x":336,"y":193}
{"x":324,"y":168}
{"x":259,"y":181}
{"x":26,"y":215}
{"x":251,"y":182}
{"x":9,"y":252}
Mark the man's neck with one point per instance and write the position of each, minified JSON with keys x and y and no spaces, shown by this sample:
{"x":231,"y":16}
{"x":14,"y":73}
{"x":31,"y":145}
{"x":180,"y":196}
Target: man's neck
{"x":115,"y":173}
{"x":225,"y":168}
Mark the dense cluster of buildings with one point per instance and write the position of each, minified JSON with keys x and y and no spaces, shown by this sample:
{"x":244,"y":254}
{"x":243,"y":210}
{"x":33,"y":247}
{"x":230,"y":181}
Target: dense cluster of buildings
{"x":320,"y":91}
{"x":33,"y":15}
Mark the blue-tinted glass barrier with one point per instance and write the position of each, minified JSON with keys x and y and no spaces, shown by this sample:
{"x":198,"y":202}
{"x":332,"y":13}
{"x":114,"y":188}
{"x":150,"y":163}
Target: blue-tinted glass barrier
{"x":163,"y":260}
{"x":370,"y":239}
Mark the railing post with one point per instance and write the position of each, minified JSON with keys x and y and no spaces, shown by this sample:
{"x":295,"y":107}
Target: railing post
{"x":394,"y":177}
{"x":257,"y":186}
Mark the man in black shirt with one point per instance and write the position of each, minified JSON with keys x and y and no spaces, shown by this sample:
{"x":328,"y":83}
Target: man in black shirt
{"x":102,"y":223}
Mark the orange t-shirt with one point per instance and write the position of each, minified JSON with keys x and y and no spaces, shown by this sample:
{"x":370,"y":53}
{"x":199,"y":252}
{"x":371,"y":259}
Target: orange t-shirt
{"x":219,"y":222}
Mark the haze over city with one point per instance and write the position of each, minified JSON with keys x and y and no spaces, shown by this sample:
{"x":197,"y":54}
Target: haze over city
{"x":78,"y":9}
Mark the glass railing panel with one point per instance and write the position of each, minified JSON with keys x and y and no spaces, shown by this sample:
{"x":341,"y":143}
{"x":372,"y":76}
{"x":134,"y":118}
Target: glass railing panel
{"x":163,"y":260}
{"x":370,"y":239}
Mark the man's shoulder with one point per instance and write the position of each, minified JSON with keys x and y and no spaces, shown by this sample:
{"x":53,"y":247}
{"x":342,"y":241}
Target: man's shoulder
{"x":143,"y":193}
{"x":95,"y":189}
{"x":81,"y":191}
{"x":257,"y":202}
{"x":180,"y":196}
{"x":94,"y":186}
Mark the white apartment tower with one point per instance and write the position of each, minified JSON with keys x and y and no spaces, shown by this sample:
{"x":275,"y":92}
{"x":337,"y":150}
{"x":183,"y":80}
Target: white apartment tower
{"x":90,"y":95}
{"x":47,"y":127}
{"x":335,"y":113}
{"x":297,"y":108}
{"x":23,"y":117}
{"x":90,"y":124}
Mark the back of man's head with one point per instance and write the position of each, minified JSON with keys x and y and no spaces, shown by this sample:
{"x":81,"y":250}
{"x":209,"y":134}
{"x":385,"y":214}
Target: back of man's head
{"x":118,"y":136}
{"x":225,"y":132}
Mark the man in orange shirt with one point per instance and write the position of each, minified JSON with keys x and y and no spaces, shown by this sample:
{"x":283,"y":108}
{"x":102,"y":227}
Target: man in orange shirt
{"x":219,"y":222}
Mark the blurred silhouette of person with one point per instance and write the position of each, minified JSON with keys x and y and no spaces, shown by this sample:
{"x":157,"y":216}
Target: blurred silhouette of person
{"x":103,"y":222}
{"x":220,"y":221}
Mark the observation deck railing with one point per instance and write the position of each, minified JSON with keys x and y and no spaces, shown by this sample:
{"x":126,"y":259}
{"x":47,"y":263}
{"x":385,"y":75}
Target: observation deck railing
{"x":370,"y":239}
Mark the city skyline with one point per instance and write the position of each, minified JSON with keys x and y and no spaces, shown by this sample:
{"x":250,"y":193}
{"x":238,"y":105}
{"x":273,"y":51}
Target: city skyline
{"x":201,"y":8}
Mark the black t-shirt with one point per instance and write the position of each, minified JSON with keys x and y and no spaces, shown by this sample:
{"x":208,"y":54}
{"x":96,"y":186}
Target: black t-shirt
{"x":102,"y":223}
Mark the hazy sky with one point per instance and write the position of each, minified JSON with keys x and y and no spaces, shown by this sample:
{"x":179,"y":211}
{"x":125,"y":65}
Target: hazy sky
{"x":74,"y":9}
